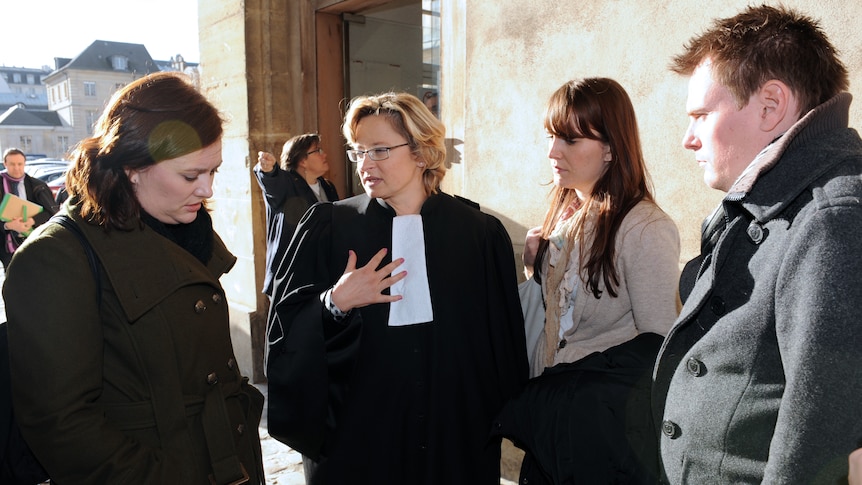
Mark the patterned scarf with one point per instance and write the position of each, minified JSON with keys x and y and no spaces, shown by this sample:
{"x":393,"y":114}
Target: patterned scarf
{"x":566,"y":239}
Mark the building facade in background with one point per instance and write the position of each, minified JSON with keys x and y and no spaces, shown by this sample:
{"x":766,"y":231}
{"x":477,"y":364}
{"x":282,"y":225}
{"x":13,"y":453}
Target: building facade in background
{"x":46,"y":112}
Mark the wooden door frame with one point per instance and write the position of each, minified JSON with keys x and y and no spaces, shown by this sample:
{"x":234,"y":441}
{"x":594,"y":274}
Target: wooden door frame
{"x":327,"y":44}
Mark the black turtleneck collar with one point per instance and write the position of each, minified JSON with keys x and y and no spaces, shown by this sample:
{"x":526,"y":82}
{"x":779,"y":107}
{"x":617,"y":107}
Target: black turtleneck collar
{"x":195,"y":237}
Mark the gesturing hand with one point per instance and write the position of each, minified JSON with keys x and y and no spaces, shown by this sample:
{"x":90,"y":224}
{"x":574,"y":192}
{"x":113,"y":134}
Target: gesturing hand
{"x":266,"y":161}
{"x":359,"y":287}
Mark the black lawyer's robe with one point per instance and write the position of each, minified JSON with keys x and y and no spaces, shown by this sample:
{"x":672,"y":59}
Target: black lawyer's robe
{"x":288,"y":196}
{"x":395,"y":405}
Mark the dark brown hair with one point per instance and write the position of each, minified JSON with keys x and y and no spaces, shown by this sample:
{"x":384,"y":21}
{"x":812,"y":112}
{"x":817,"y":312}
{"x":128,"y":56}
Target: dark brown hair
{"x":763,"y":43}
{"x":296,"y":149}
{"x":158,"y":117}
{"x":598,"y":109}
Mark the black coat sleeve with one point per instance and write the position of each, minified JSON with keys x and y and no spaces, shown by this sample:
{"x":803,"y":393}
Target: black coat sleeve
{"x":510,"y":340}
{"x":309,"y":355}
{"x":41,"y":195}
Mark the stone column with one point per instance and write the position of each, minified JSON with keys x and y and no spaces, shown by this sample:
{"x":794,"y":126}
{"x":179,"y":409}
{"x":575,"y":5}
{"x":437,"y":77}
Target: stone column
{"x":251,"y":70}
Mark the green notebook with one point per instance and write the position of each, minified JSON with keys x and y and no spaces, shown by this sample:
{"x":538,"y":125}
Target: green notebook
{"x":13,"y":206}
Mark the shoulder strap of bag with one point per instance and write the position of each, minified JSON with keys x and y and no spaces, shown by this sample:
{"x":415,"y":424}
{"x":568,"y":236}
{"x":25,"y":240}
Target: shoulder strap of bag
{"x":72,"y":226}
{"x":18,"y":465}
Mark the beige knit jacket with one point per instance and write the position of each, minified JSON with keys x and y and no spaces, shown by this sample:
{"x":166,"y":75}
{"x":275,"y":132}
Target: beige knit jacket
{"x":648,"y":252}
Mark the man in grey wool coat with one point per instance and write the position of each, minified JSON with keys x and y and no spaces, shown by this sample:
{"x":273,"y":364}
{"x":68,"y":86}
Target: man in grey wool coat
{"x":758,"y":381}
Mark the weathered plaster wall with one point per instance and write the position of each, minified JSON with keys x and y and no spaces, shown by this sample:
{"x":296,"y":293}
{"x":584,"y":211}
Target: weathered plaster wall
{"x":507,"y":57}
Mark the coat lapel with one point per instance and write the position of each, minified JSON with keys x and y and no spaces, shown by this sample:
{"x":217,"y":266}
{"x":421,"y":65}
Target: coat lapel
{"x":142,"y":277}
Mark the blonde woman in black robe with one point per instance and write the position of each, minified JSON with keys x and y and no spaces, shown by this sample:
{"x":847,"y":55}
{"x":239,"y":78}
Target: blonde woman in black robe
{"x":395,"y":333}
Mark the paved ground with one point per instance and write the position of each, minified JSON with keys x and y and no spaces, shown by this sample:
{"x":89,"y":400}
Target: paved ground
{"x":282,"y":465}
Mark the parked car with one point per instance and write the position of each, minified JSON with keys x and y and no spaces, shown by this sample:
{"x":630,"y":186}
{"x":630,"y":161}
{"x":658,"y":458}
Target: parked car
{"x":49,"y":174}
{"x":35,"y":167}
{"x":57,"y":185}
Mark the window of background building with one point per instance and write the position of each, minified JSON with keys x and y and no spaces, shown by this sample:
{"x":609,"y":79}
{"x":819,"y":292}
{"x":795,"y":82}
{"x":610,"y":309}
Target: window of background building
{"x":89,"y":88}
{"x":16,"y":78}
{"x":25,"y":143}
{"x":92,"y":116}
{"x":31,"y":79}
{"x":63,"y":144}
{"x":119,"y":63}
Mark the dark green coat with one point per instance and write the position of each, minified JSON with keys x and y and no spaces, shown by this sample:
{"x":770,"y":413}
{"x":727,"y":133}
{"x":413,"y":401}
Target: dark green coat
{"x":142,"y":387}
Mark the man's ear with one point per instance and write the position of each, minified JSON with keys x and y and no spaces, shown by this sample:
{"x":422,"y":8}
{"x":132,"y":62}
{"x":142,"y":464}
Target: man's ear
{"x":779,"y":108}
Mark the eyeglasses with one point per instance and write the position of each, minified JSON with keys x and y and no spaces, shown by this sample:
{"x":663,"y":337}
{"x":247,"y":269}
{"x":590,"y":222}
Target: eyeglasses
{"x":376,"y":154}
{"x":319,"y":150}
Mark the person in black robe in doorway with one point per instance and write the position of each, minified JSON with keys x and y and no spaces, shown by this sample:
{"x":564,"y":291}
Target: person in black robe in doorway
{"x":395,"y":333}
{"x":289,"y":189}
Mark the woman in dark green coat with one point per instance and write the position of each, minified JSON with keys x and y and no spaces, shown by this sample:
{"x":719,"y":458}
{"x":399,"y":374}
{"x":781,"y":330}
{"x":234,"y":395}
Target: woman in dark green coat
{"x":132,"y":378}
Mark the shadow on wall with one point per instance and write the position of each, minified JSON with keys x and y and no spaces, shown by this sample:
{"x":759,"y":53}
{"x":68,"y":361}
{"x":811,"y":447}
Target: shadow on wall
{"x":453,"y":155}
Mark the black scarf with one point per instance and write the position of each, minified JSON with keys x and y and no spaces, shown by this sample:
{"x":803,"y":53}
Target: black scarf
{"x":195,"y":237}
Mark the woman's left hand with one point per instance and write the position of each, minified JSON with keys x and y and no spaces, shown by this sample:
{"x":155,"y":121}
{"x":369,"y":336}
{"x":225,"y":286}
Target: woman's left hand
{"x":531,"y":247}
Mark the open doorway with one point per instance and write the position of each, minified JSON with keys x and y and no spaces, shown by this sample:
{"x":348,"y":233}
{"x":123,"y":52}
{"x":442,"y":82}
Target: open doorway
{"x":393,"y":47}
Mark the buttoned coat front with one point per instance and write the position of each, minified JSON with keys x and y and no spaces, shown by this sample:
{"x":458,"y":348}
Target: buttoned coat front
{"x":138,"y":384}
{"x":758,"y":380}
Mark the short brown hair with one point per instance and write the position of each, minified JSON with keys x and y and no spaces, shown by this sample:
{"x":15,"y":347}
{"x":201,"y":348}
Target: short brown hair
{"x":158,"y":117}
{"x":12,"y":151}
{"x":763,"y":43}
{"x":296,"y":149}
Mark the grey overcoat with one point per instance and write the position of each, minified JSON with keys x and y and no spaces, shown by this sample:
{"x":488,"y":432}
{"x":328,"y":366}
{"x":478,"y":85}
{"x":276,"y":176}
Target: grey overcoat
{"x":759,"y":381}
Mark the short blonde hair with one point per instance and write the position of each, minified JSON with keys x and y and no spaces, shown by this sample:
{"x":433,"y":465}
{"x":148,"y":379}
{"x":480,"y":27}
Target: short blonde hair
{"x":412,"y":119}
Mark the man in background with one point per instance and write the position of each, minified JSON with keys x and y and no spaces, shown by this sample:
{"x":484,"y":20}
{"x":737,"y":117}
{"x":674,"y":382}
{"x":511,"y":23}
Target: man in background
{"x":16,"y":181}
{"x":758,"y":380}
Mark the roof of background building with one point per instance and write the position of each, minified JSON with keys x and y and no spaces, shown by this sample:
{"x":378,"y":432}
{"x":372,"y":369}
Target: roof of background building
{"x":97,"y":57}
{"x":30,"y":101}
{"x":17,"y":116}
{"x":26,"y":70}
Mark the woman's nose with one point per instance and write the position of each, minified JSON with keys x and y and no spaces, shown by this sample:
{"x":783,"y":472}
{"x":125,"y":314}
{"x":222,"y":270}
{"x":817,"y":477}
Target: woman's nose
{"x":553,"y":151}
{"x":205,"y":188}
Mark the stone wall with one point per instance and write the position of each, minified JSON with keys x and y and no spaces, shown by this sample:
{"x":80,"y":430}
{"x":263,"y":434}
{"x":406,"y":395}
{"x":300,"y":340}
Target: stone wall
{"x":507,"y":57}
